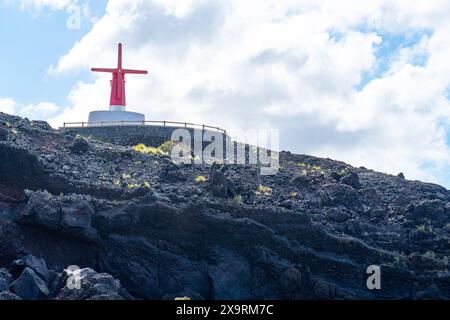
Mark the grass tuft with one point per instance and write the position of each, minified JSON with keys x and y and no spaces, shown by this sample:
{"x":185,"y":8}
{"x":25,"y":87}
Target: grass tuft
{"x":200,"y":179}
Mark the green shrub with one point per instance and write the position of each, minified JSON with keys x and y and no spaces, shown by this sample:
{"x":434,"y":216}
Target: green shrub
{"x":132,"y":186}
{"x":142,"y":148}
{"x":200,"y":179}
{"x":267,"y":191}
{"x":167,"y":147}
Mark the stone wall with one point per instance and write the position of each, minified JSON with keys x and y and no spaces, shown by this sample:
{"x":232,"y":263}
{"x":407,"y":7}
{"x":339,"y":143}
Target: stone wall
{"x":132,"y":135}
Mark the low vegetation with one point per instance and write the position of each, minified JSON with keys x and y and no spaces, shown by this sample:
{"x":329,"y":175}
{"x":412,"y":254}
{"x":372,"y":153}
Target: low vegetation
{"x":264,"y":190}
{"x":200,"y":179}
{"x":167,"y":147}
{"x":164,"y":149}
{"x":142,"y":148}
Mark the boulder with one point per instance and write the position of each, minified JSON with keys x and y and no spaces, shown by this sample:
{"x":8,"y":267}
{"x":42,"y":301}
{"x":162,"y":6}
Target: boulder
{"x":172,"y":172}
{"x":219,"y":184}
{"x":29,"y":286}
{"x":88,"y":284}
{"x":38,"y":265}
{"x":42,"y":125}
{"x":71,"y":215}
{"x":41,"y":209}
{"x":351,"y":179}
{"x":5,"y":279}
{"x":9,"y":296}
{"x":79,"y":145}
{"x":335,"y":176}
{"x":334,"y":194}
{"x":77,"y":219}
{"x":300,"y":181}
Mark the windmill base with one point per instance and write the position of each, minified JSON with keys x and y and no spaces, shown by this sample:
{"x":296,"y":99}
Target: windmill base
{"x":114,"y":118}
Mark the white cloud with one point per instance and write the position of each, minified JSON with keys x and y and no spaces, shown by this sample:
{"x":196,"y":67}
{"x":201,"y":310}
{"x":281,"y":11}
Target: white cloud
{"x":74,"y":8}
{"x":7,"y":105}
{"x":37,"y":5}
{"x":293,"y":65}
{"x":40,"y":111}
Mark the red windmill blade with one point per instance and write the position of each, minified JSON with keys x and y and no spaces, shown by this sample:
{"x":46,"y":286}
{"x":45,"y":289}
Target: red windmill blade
{"x":118,"y":81}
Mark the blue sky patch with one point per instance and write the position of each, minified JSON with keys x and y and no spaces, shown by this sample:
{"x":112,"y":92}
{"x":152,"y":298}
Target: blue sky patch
{"x":388,"y":50}
{"x":30,"y":45}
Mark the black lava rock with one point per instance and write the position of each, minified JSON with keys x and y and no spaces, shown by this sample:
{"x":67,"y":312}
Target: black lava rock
{"x":351,"y":179}
{"x":142,"y":227}
{"x":38,"y":265}
{"x":4,"y":134}
{"x":29,"y":286}
{"x":219,"y":184}
{"x":5,"y":279}
{"x":80,"y":145}
{"x":86,"y":284}
{"x":9,"y":296}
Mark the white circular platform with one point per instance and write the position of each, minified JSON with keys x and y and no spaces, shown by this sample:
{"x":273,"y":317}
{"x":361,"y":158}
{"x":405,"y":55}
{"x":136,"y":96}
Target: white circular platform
{"x":114,"y":118}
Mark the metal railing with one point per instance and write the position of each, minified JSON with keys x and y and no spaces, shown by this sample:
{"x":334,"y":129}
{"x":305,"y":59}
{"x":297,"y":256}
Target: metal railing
{"x":141,"y":123}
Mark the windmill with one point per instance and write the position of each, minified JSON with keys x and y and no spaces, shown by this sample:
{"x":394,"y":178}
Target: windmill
{"x":117,"y":104}
{"x":118,"y":100}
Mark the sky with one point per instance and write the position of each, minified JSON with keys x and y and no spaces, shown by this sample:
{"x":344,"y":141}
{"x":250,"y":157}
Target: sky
{"x":365,"y":82}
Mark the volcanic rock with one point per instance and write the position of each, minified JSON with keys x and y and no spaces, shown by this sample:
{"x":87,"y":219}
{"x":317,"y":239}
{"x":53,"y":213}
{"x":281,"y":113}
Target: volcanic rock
{"x":152,"y":229}
{"x":79,"y":145}
{"x":29,"y":286}
{"x":92,"y":286}
{"x":4,"y":134}
{"x":351,"y":179}
{"x":5,"y":279}
{"x":9,"y":296}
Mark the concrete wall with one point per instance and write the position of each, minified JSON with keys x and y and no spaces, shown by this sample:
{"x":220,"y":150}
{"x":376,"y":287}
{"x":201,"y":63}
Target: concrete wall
{"x":111,"y":116}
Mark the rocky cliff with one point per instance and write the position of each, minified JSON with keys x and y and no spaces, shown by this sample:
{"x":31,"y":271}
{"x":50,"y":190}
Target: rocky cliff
{"x":154,"y":230}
